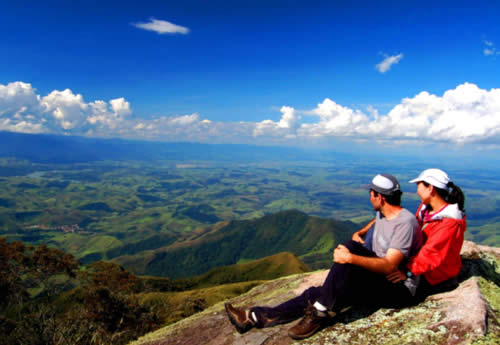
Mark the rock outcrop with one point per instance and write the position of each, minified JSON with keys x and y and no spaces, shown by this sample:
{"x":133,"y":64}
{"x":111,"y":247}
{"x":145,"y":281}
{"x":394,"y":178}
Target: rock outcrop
{"x":470,"y":314}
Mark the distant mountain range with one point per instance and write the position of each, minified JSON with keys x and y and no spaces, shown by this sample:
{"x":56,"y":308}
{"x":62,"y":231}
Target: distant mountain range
{"x":310,"y":238}
{"x":45,"y":148}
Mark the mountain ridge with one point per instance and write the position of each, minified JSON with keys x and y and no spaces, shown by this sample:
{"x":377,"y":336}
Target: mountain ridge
{"x":310,"y":238}
{"x":50,"y":148}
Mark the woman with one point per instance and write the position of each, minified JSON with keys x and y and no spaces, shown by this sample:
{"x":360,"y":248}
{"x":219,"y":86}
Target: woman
{"x":441,"y":215}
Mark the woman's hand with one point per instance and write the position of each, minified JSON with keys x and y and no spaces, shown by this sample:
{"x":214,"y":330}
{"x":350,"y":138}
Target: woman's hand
{"x":341,"y":255}
{"x":396,"y":276}
{"x":357,"y":238}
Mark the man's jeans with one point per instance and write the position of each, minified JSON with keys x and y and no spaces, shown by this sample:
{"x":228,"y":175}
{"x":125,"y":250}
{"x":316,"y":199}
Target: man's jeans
{"x":345,"y":285}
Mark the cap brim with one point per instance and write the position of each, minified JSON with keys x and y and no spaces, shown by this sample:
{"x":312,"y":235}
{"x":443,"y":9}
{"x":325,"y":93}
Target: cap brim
{"x":415,"y":180}
{"x":366,"y":186}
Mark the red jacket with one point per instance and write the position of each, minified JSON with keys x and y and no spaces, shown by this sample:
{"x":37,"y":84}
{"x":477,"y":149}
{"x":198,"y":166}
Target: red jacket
{"x":439,"y":257}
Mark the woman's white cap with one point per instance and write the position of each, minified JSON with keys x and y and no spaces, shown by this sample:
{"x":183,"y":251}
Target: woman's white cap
{"x":436,"y":177}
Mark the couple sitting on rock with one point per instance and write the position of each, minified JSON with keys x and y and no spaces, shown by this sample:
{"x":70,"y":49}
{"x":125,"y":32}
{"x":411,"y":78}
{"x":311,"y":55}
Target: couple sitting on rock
{"x":394,"y":261}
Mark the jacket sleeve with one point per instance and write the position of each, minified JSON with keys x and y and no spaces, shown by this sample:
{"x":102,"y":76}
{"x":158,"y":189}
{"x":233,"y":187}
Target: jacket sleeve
{"x":442,"y":238}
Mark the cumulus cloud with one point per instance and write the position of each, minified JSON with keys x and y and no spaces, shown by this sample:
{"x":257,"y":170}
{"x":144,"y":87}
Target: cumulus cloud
{"x":18,"y":103}
{"x":22,"y":110}
{"x":65,"y":112}
{"x":162,"y":27}
{"x":120,"y":107}
{"x":465,"y":114}
{"x":286,"y":126}
{"x":68,"y":109}
{"x":334,"y":120}
{"x":387,"y":63}
{"x":101,"y":116}
{"x":19,"y":98}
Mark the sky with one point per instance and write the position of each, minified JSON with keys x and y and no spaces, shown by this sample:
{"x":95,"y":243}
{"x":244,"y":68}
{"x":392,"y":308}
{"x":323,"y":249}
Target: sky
{"x":399,"y":74}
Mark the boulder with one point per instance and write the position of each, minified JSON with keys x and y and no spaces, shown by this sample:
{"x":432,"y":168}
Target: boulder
{"x":470,"y":314}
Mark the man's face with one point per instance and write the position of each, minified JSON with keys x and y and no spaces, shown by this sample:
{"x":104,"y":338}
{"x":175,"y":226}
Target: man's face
{"x":376,"y":200}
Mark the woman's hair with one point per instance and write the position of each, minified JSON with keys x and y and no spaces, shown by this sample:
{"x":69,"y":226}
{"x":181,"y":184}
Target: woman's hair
{"x":452,"y":195}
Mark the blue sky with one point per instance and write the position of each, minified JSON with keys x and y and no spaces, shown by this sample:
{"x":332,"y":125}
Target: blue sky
{"x":262,"y":72}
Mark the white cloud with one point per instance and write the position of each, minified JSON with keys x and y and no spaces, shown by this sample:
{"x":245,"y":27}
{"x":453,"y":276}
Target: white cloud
{"x":387,"y":63}
{"x":120,"y":107}
{"x":490,"y":48}
{"x":488,"y":51}
{"x":182,"y":128}
{"x":22,"y":110}
{"x":465,"y":114}
{"x":18,"y":97}
{"x":21,"y":126}
{"x":18,"y":103}
{"x":68,"y":109}
{"x":101,"y":116}
{"x":162,"y":27}
{"x":286,"y":126}
{"x":334,"y":120}
{"x":184,"y":120}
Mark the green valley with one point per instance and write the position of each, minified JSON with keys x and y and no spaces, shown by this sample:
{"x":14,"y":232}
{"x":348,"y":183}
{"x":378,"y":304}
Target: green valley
{"x":144,"y":203}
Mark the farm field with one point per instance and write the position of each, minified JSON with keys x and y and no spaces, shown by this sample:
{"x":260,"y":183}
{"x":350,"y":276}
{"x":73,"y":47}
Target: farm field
{"x":114,"y":204}
{"x":100,"y":210}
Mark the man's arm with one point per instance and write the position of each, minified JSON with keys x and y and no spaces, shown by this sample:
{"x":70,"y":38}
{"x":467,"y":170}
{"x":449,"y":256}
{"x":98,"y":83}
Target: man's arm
{"x":358,"y":235}
{"x":384,"y":265}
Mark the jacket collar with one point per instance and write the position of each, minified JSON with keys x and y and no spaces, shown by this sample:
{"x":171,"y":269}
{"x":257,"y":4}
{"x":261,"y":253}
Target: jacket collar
{"x":451,"y":211}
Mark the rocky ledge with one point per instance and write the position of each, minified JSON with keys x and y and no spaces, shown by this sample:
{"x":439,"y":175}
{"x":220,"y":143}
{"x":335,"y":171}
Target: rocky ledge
{"x":470,"y":314}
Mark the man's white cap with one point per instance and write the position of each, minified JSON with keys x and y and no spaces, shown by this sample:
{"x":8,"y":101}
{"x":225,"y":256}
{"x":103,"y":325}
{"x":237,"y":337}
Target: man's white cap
{"x":436,"y":177}
{"x":385,"y":184}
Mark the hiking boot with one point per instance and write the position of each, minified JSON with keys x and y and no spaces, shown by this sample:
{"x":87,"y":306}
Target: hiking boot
{"x":240,"y":318}
{"x":310,"y":323}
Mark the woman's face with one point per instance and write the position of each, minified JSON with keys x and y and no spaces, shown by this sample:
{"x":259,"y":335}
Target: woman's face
{"x":424,"y":192}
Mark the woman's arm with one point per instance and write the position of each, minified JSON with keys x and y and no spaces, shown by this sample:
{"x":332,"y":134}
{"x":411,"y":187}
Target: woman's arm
{"x":444,"y":235}
{"x":358,"y":235}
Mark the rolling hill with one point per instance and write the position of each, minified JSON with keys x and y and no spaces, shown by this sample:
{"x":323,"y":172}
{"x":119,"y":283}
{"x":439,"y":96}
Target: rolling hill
{"x":310,"y":238}
{"x":176,"y":299}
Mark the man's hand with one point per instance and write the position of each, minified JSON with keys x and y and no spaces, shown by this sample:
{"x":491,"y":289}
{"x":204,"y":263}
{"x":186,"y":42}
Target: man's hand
{"x":357,"y":238}
{"x":396,"y":276}
{"x":342,"y":255}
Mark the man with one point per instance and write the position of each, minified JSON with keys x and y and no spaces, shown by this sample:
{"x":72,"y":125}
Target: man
{"x":359,"y":273}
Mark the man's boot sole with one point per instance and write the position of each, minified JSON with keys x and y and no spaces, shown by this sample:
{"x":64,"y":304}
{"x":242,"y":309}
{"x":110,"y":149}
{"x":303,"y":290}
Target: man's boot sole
{"x":304,"y":336}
